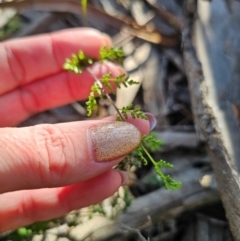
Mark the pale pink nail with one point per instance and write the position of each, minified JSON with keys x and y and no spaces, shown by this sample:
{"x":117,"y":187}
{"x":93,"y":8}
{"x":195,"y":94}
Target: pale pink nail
{"x":124,"y":176}
{"x":152,"y":120}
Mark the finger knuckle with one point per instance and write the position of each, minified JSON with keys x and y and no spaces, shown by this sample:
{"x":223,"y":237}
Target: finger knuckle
{"x":26,"y":207}
{"x":53,"y":145}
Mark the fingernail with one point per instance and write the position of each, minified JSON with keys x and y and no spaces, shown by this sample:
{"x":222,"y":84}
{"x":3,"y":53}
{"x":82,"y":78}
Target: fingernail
{"x":107,"y":40}
{"x":152,"y":120}
{"x":124,"y":176}
{"x":100,"y":69}
{"x":112,"y":140}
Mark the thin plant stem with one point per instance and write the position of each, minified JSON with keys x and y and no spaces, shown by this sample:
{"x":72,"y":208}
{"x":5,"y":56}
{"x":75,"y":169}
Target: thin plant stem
{"x":147,"y":153}
{"x":83,"y":6}
{"x":150,"y":157}
{"x":105,"y":93}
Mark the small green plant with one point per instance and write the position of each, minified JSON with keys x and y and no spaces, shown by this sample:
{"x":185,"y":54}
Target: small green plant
{"x":26,"y":233}
{"x":77,"y":64}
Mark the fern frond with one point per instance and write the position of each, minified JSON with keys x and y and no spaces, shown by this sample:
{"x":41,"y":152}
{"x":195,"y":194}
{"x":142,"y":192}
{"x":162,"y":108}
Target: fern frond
{"x":140,"y":153}
{"x":135,"y":113}
{"x":91,"y":104}
{"x":77,"y":63}
{"x":151,"y":142}
{"x":111,"y":54}
{"x":106,"y":81}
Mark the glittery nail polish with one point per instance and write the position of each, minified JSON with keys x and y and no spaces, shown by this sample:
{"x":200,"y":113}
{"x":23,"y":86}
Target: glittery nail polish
{"x":112,"y":140}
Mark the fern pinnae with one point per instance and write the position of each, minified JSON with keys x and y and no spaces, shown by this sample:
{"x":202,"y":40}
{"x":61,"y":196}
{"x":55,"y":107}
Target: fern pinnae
{"x":78,"y":63}
{"x":104,"y":92}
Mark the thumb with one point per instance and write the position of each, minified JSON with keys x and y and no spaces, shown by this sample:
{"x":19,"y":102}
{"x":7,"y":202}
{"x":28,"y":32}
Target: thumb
{"x":58,"y":155}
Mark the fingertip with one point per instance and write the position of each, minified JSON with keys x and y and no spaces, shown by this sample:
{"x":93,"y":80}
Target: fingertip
{"x":89,"y":40}
{"x":92,"y":31}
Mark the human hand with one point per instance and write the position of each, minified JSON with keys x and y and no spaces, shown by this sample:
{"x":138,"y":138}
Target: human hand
{"x":49,"y":170}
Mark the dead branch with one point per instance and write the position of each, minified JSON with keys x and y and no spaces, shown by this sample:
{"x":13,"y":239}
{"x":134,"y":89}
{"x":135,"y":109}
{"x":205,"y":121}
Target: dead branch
{"x":130,"y":26}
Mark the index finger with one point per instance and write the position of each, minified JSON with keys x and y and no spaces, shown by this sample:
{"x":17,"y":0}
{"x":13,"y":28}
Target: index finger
{"x":25,"y":60}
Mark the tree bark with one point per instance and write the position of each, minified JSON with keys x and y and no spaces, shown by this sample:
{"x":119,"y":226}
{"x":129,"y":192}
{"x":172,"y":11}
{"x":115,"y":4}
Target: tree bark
{"x":211,"y":72}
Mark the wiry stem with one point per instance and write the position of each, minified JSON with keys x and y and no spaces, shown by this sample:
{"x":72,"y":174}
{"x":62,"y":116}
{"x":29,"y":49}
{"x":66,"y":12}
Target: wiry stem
{"x":105,"y":93}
